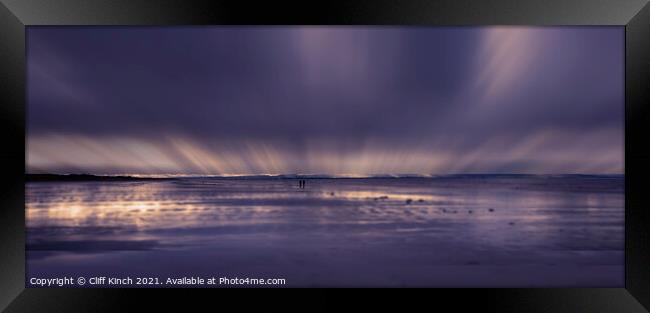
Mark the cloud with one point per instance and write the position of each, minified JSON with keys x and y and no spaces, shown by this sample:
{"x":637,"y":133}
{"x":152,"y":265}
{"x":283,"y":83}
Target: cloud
{"x":338,"y":100}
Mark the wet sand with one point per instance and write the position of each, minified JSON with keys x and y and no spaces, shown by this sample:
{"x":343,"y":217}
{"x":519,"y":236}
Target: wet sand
{"x":449,"y":231}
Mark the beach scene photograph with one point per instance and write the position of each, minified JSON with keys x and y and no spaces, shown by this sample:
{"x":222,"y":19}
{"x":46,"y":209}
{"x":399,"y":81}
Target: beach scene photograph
{"x":308,"y":156}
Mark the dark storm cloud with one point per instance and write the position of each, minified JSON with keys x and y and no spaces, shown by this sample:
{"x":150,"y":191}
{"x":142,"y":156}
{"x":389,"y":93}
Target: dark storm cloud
{"x":358,"y":100}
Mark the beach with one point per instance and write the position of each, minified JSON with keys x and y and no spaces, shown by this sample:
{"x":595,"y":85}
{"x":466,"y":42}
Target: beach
{"x":439,"y":231}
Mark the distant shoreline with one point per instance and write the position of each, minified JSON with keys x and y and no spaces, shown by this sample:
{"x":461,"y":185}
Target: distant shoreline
{"x":86,"y":177}
{"x":91,"y":177}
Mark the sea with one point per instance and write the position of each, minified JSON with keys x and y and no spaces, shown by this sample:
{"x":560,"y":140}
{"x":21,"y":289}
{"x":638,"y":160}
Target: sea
{"x":384,"y":231}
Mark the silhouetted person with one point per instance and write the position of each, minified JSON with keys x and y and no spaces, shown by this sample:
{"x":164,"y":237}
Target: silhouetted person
{"x":304,"y":182}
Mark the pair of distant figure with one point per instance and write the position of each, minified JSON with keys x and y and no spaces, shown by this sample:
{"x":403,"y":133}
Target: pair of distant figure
{"x":301,"y":183}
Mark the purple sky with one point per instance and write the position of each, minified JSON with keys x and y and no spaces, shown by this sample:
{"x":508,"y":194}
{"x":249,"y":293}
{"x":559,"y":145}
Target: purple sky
{"x":332,"y":100}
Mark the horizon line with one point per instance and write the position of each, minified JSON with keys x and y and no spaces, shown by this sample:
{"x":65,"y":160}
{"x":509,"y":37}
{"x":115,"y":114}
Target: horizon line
{"x":322,"y":175}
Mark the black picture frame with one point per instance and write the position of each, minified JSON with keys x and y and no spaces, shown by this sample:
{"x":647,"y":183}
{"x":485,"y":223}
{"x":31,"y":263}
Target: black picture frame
{"x":16,"y":15}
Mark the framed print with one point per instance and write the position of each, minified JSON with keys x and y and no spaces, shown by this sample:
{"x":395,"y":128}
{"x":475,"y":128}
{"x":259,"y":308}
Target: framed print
{"x":485,"y":150}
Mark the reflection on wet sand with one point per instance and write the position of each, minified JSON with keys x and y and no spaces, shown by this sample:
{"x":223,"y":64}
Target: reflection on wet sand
{"x":427,"y":224}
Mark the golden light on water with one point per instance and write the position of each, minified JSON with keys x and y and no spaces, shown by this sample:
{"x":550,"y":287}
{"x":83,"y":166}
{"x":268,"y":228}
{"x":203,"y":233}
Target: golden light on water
{"x":162,"y":205}
{"x":210,"y":203}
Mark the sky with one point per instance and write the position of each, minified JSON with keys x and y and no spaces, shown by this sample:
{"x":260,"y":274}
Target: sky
{"x":325,"y":100}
